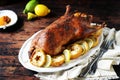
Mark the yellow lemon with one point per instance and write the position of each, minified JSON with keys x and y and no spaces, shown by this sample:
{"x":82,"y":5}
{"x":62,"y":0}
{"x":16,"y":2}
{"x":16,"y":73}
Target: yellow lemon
{"x":41,"y":10}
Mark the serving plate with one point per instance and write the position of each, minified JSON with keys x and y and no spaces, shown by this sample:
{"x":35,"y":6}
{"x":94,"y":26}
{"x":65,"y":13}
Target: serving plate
{"x":11,"y":14}
{"x":24,"y":58}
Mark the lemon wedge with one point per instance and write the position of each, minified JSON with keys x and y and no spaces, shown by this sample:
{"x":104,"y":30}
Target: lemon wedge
{"x":31,"y":16}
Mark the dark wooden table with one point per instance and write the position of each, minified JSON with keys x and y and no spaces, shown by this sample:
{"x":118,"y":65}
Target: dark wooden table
{"x":12,"y":38}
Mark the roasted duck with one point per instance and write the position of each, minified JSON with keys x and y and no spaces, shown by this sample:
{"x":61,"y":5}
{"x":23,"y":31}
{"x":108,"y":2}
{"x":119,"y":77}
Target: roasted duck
{"x":66,"y":29}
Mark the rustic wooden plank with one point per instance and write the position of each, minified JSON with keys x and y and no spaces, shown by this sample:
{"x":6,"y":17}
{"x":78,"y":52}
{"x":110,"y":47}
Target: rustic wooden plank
{"x":9,"y":65}
{"x":15,"y":70}
{"x":6,"y":61}
{"x":18,"y":77}
{"x":9,"y":51}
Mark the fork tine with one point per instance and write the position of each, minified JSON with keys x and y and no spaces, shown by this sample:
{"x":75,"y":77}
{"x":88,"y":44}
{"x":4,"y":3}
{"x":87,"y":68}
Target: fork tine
{"x":108,"y":43}
{"x":108,"y":39}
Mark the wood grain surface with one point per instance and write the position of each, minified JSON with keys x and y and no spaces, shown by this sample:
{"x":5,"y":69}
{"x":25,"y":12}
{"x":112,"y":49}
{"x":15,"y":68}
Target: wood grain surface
{"x":12,"y":38}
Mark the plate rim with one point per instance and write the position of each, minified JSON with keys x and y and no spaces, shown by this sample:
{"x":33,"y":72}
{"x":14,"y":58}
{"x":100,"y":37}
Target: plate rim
{"x":2,"y":12}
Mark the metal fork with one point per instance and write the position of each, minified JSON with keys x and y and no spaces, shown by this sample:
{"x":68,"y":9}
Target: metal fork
{"x":92,"y":66}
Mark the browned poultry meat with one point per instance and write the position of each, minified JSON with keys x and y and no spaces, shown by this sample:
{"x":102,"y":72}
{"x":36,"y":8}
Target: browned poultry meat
{"x":67,"y":28}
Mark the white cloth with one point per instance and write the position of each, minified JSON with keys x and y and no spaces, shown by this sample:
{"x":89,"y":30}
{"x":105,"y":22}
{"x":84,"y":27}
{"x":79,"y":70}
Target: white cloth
{"x":104,"y":71}
{"x":118,"y":37}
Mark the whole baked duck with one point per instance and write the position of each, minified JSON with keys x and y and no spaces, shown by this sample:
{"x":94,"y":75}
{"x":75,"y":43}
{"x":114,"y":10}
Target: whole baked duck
{"x":68,"y":28}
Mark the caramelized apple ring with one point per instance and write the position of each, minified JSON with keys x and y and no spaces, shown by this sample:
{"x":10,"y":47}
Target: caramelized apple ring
{"x":90,"y":42}
{"x":76,"y":51}
{"x":58,"y":60}
{"x":38,"y":58}
{"x":97,"y":33}
{"x":95,"y":40}
{"x":84,"y":44}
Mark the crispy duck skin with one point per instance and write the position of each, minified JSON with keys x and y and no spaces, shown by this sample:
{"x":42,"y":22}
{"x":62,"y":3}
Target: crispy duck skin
{"x":65,"y":29}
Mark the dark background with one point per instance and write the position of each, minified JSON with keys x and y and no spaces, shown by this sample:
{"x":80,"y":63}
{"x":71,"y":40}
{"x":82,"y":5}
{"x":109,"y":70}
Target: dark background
{"x":103,"y":8}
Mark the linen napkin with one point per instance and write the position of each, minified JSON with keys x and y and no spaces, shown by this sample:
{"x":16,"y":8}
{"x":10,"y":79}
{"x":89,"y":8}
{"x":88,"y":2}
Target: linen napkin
{"x":104,"y":71}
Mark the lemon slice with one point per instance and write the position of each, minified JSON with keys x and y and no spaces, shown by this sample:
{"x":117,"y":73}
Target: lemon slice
{"x":48,"y":61}
{"x":31,"y":16}
{"x":66,"y":53}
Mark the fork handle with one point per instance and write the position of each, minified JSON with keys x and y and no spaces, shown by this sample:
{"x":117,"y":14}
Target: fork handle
{"x":93,"y":68}
{"x":87,"y":69}
{"x":91,"y":65}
